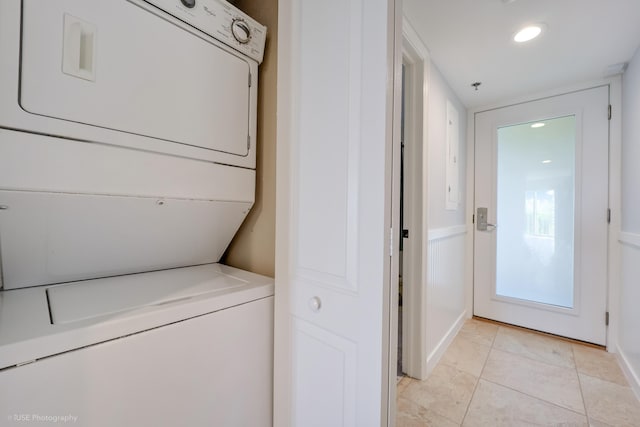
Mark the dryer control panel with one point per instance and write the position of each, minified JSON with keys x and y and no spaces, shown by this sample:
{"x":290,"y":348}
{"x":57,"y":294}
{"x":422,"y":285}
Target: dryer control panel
{"x":220,"y":20}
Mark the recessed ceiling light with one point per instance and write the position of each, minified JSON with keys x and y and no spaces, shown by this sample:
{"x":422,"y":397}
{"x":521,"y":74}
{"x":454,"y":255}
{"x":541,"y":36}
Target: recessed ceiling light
{"x":546,"y":162}
{"x":537,"y":125}
{"x":527,"y":33}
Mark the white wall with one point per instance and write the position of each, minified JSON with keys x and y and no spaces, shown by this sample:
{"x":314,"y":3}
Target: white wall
{"x":631,"y":146}
{"x":439,"y":93}
{"x":446,"y":228}
{"x":629,"y":335}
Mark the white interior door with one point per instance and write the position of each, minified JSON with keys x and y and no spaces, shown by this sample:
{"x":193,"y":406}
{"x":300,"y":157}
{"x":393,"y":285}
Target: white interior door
{"x":541,"y":201}
{"x":334,"y":213}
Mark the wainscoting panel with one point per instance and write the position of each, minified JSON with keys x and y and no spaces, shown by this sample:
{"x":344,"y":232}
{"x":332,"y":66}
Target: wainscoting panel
{"x":445,"y":289}
{"x":629,"y":344}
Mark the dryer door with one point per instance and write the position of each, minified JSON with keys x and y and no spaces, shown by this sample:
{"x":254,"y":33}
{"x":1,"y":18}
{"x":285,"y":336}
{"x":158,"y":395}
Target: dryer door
{"x":115,"y":65}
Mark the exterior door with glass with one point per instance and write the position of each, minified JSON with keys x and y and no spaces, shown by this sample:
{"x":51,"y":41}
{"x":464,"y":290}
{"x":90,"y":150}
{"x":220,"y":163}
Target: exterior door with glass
{"x":541,"y":207}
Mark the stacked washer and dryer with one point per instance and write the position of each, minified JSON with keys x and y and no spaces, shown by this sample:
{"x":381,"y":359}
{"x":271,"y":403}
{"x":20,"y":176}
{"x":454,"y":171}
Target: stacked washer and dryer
{"x":127,"y":164}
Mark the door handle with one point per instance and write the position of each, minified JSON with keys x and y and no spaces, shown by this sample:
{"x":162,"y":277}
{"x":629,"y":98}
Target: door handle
{"x":481,"y":221}
{"x":78,"y":51}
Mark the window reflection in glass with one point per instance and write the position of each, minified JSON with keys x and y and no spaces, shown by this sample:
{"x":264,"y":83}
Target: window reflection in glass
{"x":535,"y":201}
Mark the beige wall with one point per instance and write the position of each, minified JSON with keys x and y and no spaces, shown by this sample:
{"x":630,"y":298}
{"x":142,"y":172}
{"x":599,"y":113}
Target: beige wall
{"x":253,"y":248}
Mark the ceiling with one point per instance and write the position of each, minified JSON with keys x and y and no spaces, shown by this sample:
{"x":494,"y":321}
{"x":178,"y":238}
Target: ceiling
{"x":472,"y":40}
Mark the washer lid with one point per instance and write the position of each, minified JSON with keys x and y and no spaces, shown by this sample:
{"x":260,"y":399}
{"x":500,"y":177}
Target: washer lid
{"x":76,"y":301}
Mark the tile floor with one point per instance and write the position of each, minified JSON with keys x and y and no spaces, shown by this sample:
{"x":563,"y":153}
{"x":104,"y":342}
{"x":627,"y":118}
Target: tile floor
{"x":495,"y":375}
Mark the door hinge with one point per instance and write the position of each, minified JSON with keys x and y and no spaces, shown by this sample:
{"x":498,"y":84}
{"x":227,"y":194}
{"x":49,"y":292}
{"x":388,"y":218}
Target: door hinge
{"x":606,"y":318}
{"x":248,"y":142}
{"x":608,"y":216}
{"x":609,"y":111}
{"x":473,"y":219}
{"x":249,"y":79}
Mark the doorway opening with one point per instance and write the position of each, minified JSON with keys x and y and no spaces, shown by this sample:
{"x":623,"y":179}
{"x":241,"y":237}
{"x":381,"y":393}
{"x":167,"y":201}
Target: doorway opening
{"x":412,"y":353}
{"x":400,"y":371}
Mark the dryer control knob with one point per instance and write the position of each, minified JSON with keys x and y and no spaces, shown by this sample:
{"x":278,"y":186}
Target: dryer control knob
{"x":241,"y":30}
{"x":189,"y":3}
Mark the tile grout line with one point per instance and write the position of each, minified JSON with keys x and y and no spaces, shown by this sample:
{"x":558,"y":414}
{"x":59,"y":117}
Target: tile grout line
{"x":433,"y":410}
{"x":536,"y":398}
{"x":545,"y":335}
{"x":531,"y":359}
{"x":424,"y":407}
{"x":442,"y":362}
{"x":610,"y":383}
{"x":575,"y":366}
{"x":491,"y":346}
{"x":475,"y":387}
{"x":574,"y":346}
{"x":584,"y":403}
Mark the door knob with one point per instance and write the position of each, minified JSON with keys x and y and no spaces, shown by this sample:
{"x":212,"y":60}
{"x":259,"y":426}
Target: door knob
{"x":315,"y":304}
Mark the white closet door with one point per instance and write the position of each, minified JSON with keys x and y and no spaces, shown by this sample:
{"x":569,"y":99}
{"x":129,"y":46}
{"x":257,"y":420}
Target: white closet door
{"x":334,"y":212}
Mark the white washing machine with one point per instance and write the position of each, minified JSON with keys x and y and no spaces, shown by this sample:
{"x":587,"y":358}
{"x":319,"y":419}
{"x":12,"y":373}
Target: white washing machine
{"x":127,"y":164}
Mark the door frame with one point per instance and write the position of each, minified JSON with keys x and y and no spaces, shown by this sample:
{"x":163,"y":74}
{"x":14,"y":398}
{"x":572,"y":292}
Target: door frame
{"x":615,"y":165}
{"x":415,"y":57}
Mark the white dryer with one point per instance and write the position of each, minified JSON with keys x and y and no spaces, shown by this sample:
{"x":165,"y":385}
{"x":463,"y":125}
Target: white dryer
{"x":127,"y":164}
{"x":127,"y":135}
{"x":152,"y":75}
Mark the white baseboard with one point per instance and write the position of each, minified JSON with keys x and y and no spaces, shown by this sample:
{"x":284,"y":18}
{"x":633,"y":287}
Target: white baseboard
{"x":632,"y":377}
{"x":434,"y":357}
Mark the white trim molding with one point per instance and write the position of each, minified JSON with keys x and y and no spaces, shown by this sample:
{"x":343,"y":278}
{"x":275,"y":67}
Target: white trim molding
{"x":442,"y":346}
{"x":410,"y":35}
{"x":415,"y":58}
{"x":447,"y":232}
{"x":630,"y":239}
{"x":632,"y":376}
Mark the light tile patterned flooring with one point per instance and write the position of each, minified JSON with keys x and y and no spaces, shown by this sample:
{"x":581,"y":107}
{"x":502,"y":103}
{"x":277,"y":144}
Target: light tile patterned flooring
{"x":494,"y":375}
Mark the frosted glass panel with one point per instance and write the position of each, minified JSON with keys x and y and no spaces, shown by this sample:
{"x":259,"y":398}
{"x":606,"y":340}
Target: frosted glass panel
{"x":535,"y":216}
